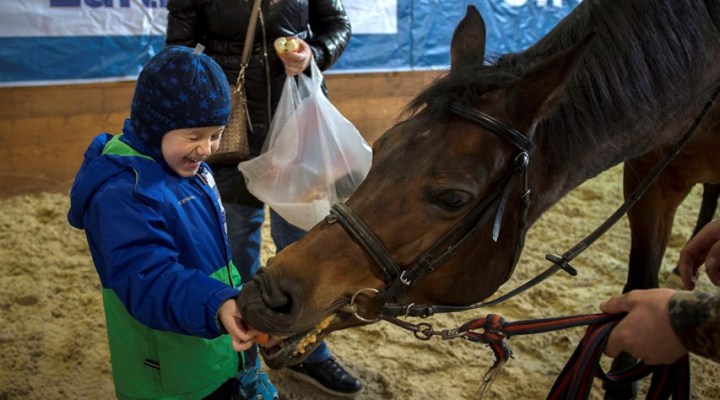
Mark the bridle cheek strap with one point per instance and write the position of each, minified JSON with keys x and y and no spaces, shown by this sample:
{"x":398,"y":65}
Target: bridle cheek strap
{"x":367,"y":240}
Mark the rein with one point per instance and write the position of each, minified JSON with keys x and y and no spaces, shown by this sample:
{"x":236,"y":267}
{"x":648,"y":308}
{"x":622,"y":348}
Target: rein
{"x":564,"y":260}
{"x":575,"y":380}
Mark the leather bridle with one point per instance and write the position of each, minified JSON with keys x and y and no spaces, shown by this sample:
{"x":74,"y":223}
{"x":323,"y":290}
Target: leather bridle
{"x":402,"y":279}
{"x":495,"y":330}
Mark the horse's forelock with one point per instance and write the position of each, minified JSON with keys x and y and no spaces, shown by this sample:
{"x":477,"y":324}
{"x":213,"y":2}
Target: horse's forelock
{"x":465,"y":84}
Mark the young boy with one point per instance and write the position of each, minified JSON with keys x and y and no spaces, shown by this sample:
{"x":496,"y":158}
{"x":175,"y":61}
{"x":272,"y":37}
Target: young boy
{"x":156,"y":231}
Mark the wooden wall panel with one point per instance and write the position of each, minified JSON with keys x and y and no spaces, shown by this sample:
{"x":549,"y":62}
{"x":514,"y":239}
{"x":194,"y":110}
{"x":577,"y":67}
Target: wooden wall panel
{"x":45,"y":130}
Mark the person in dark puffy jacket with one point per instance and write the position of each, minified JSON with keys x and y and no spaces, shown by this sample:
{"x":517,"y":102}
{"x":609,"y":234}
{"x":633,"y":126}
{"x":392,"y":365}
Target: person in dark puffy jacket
{"x":323,"y":31}
{"x":155,"y":228}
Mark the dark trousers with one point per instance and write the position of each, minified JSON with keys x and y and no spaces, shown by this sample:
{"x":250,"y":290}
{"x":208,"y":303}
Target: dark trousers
{"x":226,"y":391}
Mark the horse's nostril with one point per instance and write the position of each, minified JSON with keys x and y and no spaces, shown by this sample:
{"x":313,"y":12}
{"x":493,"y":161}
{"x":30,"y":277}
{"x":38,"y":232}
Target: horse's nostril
{"x":273,"y":295}
{"x":285,"y":308}
{"x":270,"y":261}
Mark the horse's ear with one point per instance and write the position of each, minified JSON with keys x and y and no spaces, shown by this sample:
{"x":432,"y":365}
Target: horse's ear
{"x":542,"y":88}
{"x":468,"y":42}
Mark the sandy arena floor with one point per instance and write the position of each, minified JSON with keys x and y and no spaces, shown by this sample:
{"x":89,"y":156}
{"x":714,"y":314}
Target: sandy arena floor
{"x":53,"y":343}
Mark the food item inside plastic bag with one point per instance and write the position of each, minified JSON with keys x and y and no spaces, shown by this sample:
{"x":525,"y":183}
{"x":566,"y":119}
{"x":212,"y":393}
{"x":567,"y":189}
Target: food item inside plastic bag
{"x":303,"y":214}
{"x":283,"y":44}
{"x":313,"y":157}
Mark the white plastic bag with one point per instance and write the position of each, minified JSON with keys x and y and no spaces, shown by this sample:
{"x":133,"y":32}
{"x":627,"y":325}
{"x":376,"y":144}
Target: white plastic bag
{"x":312,"y":158}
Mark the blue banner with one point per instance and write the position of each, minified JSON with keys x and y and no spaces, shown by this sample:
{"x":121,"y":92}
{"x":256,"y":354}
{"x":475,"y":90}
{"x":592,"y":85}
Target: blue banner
{"x":425,"y":29}
{"x":46,"y":42}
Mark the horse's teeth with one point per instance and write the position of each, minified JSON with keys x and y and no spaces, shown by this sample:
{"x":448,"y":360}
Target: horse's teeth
{"x":312,"y":336}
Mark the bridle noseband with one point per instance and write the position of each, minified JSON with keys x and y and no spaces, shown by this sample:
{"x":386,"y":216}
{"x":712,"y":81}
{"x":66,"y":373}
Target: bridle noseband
{"x":402,"y":279}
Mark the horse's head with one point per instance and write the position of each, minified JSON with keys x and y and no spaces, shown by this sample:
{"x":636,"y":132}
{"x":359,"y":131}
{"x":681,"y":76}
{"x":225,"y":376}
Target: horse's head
{"x":440,"y":217}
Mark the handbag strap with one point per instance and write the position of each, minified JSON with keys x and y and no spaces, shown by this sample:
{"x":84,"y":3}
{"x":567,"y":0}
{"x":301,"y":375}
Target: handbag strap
{"x":247,"y":47}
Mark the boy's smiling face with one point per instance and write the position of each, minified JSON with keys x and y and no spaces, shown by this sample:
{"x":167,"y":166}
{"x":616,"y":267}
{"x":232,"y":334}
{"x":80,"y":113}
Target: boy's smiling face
{"x":184,"y":149}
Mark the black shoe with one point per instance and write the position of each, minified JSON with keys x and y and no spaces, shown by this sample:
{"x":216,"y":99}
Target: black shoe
{"x":329,"y":376}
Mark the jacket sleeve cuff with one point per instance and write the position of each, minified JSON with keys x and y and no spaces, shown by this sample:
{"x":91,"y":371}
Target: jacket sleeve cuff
{"x":695,"y":319}
{"x":213,"y":322}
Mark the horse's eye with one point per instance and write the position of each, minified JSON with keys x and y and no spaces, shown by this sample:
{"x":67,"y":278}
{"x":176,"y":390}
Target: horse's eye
{"x":452,"y":199}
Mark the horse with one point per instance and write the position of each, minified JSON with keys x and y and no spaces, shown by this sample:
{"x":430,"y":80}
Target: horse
{"x":484,"y":150}
{"x":708,"y":206}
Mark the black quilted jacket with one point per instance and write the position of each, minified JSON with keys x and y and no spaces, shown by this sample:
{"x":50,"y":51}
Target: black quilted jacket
{"x":221,"y":25}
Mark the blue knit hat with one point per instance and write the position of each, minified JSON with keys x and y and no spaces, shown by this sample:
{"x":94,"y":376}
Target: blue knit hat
{"x":178,"y":88}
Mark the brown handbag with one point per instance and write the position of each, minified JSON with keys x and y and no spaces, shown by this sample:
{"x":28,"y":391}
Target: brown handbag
{"x":234,"y":146}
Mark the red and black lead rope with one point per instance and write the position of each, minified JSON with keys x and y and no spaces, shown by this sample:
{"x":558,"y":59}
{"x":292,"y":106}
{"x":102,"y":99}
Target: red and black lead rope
{"x":575,"y":380}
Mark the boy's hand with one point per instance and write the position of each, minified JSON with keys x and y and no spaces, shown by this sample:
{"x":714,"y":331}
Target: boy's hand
{"x":229,"y":315}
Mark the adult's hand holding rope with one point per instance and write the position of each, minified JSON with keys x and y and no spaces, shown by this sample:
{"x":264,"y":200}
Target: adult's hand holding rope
{"x":645,"y":332}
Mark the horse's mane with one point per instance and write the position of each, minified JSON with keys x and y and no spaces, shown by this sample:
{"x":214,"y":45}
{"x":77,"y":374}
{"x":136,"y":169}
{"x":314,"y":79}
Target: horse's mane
{"x":644,"y":52}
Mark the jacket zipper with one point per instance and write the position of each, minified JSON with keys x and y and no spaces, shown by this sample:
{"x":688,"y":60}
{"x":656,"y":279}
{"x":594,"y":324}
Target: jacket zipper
{"x":222,"y":223}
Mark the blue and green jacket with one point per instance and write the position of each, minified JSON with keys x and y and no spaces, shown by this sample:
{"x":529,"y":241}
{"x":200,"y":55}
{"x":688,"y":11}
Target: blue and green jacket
{"x":159,"y":245}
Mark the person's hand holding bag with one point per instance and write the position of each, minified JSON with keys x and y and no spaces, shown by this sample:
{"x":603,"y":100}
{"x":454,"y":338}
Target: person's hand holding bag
{"x":295,"y":60}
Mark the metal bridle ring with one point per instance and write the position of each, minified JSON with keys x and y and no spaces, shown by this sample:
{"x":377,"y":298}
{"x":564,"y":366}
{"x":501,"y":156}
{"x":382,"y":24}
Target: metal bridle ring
{"x":424,"y":331}
{"x":352,"y":305}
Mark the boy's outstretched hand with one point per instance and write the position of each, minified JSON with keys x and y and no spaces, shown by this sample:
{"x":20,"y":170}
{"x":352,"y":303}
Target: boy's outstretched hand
{"x":645,"y":332}
{"x":242,"y":337}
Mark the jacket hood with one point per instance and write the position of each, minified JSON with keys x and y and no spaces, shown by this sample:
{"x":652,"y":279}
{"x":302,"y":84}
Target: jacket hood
{"x":98,"y":168}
